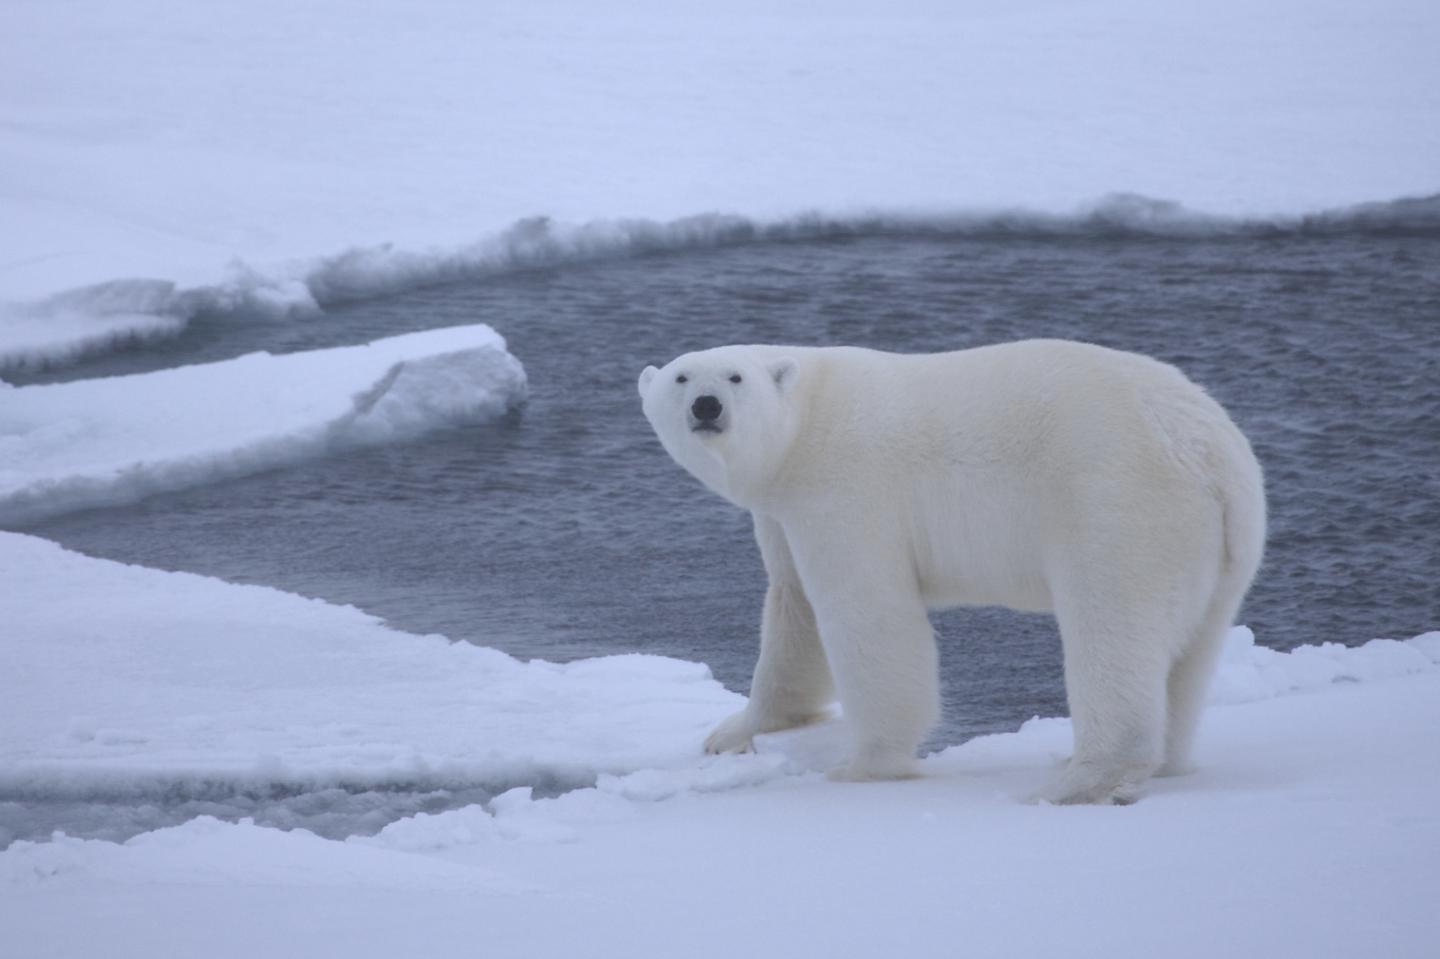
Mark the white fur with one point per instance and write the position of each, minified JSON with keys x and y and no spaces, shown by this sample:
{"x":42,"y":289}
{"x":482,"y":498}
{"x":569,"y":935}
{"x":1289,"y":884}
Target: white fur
{"x":1043,"y":475}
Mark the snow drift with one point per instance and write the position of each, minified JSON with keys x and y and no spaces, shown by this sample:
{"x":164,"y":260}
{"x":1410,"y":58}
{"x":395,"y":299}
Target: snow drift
{"x":115,"y":440}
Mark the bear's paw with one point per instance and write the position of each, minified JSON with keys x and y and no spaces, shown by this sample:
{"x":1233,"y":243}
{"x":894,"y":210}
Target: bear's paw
{"x":1084,"y":784}
{"x":734,"y":735}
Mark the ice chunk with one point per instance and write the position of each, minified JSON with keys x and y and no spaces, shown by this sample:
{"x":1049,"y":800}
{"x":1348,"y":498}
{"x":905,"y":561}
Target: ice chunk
{"x":115,"y":440}
{"x":130,"y":685}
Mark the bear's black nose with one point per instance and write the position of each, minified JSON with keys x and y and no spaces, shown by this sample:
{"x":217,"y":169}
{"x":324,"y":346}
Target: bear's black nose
{"x":706,"y":408}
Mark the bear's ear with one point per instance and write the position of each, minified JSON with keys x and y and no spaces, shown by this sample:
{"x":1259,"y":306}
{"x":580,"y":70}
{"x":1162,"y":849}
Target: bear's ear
{"x":646,"y":375}
{"x":783,"y":373}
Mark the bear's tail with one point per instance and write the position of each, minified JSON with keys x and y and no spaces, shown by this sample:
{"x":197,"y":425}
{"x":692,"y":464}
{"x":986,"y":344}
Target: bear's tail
{"x":1242,"y":503}
{"x":1199,"y":436}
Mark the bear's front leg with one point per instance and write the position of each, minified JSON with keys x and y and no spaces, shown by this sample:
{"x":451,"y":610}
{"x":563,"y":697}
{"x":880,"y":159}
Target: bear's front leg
{"x":887,"y":669}
{"x":881,"y":648}
{"x":792,"y":685}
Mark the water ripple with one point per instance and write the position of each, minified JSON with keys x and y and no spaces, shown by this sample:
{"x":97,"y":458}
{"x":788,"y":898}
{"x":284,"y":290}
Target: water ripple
{"x":565,"y":531}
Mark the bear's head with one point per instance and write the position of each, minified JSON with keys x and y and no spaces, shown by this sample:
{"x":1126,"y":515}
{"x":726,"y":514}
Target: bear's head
{"x":726,"y":415}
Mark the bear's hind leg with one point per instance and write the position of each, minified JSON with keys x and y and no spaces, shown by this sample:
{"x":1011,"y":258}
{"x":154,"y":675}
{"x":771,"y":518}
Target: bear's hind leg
{"x":792,"y":685}
{"x":1115,"y":674}
{"x":1189,"y":680}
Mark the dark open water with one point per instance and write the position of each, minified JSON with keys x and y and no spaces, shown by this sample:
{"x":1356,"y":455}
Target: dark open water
{"x":564,"y":530}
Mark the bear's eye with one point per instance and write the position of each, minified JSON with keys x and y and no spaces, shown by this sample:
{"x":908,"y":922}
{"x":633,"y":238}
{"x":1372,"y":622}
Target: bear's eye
{"x":682,"y":378}
{"x":734,"y":377}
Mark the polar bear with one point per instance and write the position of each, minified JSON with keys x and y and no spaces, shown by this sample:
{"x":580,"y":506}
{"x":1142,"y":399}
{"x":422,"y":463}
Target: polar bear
{"x":1043,"y":475}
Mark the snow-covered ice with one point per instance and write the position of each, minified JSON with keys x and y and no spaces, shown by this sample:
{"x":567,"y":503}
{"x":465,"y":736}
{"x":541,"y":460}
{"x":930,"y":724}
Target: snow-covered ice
{"x":76,"y":324}
{"x":1309,"y":830}
{"x":159,"y":680}
{"x":114,"y":440}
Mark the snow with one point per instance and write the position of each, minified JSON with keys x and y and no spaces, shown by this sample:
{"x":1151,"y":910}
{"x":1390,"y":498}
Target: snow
{"x":1309,"y":829}
{"x":233,"y":150}
{"x":208,"y":852}
{"x":114,"y":440}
